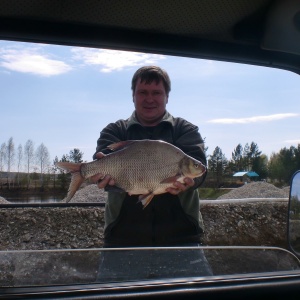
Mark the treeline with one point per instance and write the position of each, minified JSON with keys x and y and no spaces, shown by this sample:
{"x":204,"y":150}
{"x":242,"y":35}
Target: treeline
{"x":277,"y":169}
{"x":35,"y":163}
{"x":23,"y":158}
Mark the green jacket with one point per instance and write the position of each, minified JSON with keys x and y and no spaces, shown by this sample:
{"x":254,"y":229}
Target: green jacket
{"x":168,"y":219}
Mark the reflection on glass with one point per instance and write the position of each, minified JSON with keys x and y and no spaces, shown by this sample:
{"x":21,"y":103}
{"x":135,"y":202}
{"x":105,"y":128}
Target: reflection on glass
{"x":63,"y":267}
{"x":294,"y":214}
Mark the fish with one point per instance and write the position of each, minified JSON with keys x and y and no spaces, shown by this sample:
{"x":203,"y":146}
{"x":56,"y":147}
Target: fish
{"x":139,"y":167}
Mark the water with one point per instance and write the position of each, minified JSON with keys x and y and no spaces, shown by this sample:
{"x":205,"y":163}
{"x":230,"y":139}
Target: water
{"x":34,"y":199}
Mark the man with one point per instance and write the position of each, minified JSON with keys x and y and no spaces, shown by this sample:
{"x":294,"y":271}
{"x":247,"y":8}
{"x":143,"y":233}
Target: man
{"x":173,"y":218}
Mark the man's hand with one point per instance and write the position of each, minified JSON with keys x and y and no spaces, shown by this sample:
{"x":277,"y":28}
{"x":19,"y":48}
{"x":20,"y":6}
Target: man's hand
{"x":101,"y":179}
{"x":181,"y":187}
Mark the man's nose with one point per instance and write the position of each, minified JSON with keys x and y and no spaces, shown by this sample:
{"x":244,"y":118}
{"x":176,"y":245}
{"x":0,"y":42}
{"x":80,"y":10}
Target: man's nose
{"x":149,"y":97}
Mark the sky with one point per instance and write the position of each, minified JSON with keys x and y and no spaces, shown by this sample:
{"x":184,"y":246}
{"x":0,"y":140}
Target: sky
{"x":63,"y":96}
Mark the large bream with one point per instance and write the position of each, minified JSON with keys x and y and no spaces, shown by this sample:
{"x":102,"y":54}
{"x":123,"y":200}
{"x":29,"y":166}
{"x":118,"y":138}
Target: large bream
{"x":143,"y":167}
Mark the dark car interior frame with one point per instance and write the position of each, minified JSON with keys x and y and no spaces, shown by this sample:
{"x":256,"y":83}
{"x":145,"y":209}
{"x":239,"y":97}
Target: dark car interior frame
{"x":261,"y":32}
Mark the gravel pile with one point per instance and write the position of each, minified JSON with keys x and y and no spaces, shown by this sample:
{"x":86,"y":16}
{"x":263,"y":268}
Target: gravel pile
{"x":89,"y":193}
{"x":257,"y":190}
{"x":3,"y":201}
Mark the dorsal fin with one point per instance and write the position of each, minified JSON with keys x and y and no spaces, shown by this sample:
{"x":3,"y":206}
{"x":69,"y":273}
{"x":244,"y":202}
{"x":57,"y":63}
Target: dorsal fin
{"x":120,"y":145}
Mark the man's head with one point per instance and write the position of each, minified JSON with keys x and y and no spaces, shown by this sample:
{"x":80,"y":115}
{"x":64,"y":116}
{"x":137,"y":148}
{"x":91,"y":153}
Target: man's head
{"x":148,"y":74}
{"x":150,"y":91}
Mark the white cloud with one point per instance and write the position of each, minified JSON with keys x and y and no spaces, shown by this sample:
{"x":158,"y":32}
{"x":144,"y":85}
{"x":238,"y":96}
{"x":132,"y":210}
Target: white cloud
{"x":297,"y":141}
{"x":113,"y":60}
{"x":31,"y":61}
{"x":255,"y":119}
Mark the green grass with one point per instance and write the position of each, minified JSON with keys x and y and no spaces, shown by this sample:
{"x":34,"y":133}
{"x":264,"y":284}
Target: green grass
{"x":212,"y":194}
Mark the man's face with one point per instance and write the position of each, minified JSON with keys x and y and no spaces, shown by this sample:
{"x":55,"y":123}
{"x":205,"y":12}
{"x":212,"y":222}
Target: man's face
{"x":150,"y":102}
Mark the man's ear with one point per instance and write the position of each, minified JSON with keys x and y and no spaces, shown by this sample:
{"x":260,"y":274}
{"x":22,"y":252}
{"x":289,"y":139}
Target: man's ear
{"x":133,"y":100}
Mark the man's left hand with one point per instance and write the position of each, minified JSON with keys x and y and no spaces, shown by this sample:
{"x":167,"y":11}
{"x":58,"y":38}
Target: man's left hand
{"x":181,"y":187}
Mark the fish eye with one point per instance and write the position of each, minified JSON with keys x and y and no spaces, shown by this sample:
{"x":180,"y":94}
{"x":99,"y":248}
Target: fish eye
{"x":196,"y":166}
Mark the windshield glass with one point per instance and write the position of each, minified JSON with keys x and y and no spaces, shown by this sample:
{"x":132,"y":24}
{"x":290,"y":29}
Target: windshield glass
{"x":57,"y":99}
{"x":41,"y":268}
{"x":55,"y":103}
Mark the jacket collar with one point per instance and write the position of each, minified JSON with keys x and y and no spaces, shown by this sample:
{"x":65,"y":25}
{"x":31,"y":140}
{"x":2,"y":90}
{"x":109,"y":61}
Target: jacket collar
{"x":167,"y":118}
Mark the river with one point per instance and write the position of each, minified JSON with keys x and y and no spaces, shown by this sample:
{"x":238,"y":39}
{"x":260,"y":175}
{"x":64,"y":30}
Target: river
{"x":25,"y":199}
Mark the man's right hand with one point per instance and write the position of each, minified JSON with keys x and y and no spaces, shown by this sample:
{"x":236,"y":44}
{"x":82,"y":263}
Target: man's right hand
{"x":102,"y":180}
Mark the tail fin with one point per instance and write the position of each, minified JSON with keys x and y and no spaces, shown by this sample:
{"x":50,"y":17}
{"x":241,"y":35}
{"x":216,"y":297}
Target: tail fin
{"x":76,"y":180}
{"x":146,"y":199}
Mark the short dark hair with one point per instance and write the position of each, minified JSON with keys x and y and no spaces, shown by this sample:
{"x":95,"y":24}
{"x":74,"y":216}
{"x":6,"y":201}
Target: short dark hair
{"x":148,"y":74}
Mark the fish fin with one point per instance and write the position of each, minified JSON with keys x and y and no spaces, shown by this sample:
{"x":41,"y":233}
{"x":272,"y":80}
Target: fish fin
{"x":76,"y":180}
{"x":69,"y":166}
{"x":119,"y":145}
{"x":75,"y":184}
{"x":171,"y":179}
{"x":146,"y":199}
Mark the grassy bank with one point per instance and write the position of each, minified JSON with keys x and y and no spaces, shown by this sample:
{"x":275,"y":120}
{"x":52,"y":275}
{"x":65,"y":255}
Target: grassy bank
{"x":211,"y":193}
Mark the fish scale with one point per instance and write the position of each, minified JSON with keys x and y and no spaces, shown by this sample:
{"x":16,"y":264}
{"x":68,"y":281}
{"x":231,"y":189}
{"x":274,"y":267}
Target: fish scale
{"x":132,"y":164}
{"x":144,"y":167}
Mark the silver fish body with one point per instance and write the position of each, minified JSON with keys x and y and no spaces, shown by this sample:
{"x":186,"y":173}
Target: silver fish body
{"x":143,"y":167}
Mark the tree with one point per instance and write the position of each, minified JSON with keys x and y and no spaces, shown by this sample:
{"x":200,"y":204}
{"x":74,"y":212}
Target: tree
{"x":217,"y":165}
{"x":65,"y":158}
{"x":19,"y":160}
{"x":297,"y":157}
{"x":10,"y":154}
{"x":75,"y":155}
{"x":28,"y":155}
{"x":2,"y":159}
{"x":253,"y":154}
{"x":2,"y":156}
{"x":283,"y":165}
{"x":42,"y":158}
{"x":237,"y":158}
{"x":287,"y":160}
{"x":63,"y":177}
{"x":260,"y":166}
{"x":275,"y":167}
{"x":54,"y":170}
{"x":246,"y":158}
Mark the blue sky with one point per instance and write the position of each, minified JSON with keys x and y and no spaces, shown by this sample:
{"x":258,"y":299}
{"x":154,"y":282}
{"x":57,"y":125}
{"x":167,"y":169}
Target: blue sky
{"x":63,"y":96}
